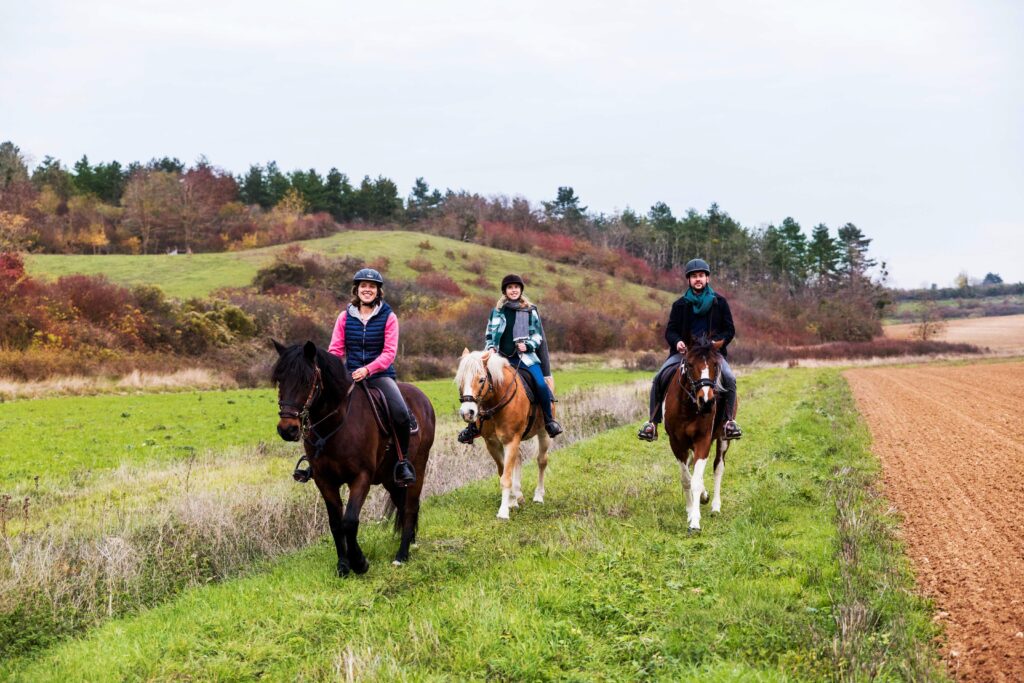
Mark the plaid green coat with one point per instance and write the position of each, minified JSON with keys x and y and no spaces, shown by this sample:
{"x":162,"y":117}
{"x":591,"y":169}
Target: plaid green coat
{"x":529,"y":328}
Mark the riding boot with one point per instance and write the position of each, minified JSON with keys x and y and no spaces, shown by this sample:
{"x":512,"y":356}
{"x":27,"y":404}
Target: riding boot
{"x":730,"y":430}
{"x":469,"y":433}
{"x":649,"y":432}
{"x":551,"y":425}
{"x":405,"y":474}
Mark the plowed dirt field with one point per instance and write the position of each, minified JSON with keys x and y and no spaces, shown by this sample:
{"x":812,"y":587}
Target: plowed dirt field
{"x":951,"y":443}
{"x":1003,"y":333}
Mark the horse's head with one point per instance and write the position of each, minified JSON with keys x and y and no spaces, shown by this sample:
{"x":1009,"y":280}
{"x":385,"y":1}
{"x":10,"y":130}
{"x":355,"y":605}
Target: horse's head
{"x":304,"y":375}
{"x":701,"y":373}
{"x":479,"y":376}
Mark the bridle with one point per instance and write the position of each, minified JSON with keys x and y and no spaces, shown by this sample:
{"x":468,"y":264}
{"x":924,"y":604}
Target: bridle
{"x":510,"y":393}
{"x":301,"y":413}
{"x":307,"y":429}
{"x":694,"y":385}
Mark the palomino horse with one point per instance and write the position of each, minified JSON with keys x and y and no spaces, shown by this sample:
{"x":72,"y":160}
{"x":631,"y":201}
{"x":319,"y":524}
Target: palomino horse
{"x":332,"y":415}
{"x":692,"y":421}
{"x":491,"y":390}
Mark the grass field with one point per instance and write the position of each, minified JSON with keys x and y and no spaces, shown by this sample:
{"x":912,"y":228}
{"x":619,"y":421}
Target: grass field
{"x":800,"y":578}
{"x":77,"y":437}
{"x":200,"y":274}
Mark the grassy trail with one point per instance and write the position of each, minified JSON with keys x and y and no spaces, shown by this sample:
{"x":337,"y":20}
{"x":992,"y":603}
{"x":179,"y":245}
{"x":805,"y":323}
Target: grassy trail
{"x":599,"y":583}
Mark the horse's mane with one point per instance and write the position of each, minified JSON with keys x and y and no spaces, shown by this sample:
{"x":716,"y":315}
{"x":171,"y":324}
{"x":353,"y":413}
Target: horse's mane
{"x":472,"y":365}
{"x":292,"y":365}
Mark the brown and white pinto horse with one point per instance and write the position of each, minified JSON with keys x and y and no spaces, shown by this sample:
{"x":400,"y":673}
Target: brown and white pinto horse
{"x":692,"y":421}
{"x":321,"y":406}
{"x":491,"y":390}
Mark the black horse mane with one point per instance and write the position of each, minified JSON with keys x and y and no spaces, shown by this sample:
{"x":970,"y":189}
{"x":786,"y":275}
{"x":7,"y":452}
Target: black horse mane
{"x":701,"y":349}
{"x":292,"y":366}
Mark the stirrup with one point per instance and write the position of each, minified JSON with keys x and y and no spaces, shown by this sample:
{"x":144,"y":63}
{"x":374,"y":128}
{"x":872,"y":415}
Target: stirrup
{"x":467,"y":435}
{"x":552,"y":428}
{"x":404,"y":476}
{"x":731,"y":431}
{"x":302,"y":474}
{"x":649,"y":432}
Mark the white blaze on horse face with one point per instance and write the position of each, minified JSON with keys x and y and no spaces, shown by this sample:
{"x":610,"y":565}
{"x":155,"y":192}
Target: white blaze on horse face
{"x":468,"y":410}
{"x":706,"y":374}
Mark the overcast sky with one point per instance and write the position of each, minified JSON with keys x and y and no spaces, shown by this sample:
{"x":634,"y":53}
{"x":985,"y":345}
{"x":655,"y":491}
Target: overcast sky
{"x":902,"y":117}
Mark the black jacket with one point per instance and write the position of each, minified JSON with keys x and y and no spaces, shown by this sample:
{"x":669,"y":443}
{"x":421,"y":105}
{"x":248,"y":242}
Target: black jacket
{"x":680,"y":323}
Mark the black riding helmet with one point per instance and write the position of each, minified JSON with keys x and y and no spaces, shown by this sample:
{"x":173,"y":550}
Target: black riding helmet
{"x":697,"y":265}
{"x":512,"y":279}
{"x":367,"y":275}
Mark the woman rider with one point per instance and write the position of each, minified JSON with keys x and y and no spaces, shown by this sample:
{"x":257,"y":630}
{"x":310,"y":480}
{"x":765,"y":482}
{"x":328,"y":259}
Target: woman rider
{"x":366,"y":335}
{"x":515,"y":331}
{"x":699,"y":313}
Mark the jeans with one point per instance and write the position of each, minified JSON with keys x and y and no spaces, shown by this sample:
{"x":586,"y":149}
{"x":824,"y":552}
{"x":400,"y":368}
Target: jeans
{"x":543,"y":394}
{"x":396,"y":406}
{"x":660,"y":383}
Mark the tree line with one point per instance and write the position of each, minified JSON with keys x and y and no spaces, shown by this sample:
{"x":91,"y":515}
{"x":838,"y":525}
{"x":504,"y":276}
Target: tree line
{"x":165,"y":204}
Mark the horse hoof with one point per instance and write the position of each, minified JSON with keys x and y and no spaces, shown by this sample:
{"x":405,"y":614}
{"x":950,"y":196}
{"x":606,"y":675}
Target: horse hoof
{"x":502,"y":515}
{"x":715,"y":513}
{"x":692,"y":531}
{"x":397,"y":563}
{"x":343,"y":570}
{"x":538,"y":499}
{"x":704,"y":497}
{"x":361,"y":568}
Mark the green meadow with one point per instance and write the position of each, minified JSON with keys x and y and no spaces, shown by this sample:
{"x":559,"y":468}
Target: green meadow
{"x":63,"y":438}
{"x":199,"y":275}
{"x":602,"y":582}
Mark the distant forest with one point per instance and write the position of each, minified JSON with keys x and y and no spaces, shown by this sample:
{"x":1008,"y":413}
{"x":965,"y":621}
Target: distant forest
{"x":821,"y":282}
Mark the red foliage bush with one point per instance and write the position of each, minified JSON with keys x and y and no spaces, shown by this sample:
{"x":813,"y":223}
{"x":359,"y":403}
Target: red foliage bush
{"x":420,"y":264}
{"x":438,"y":283}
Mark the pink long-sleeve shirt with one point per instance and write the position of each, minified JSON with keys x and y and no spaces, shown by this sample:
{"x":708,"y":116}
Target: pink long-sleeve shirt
{"x":386,"y":357}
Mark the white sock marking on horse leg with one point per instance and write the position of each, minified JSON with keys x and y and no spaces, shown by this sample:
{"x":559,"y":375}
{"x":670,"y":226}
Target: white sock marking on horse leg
{"x":517,"y":484}
{"x":542,"y":463}
{"x":506,"y":495}
{"x":696,"y":485}
{"x":716,"y":501}
{"x":684,"y":477}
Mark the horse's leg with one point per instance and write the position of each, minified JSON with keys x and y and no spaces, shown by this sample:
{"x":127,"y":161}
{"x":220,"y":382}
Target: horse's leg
{"x":700,"y":461}
{"x":357,"y":491}
{"x":497,"y":453}
{"x":685,"y":479}
{"x":543,"y":443}
{"x":517,"y":484}
{"x":511,"y":461}
{"x":720,"y":449}
{"x":410,"y":516}
{"x":335,"y":508}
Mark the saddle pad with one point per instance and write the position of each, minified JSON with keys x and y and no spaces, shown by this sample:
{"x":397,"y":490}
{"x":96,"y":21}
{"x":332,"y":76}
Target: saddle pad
{"x":529,"y":384}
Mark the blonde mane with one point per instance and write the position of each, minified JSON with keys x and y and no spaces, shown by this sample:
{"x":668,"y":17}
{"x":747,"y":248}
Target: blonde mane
{"x":472,"y":365}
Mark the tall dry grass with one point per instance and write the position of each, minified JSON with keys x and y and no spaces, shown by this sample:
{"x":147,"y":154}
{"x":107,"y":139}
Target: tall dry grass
{"x":151,"y":532}
{"x":135,"y":381}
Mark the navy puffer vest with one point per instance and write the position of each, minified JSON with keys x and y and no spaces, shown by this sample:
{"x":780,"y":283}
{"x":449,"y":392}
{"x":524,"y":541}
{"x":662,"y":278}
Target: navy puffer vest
{"x":363,"y":343}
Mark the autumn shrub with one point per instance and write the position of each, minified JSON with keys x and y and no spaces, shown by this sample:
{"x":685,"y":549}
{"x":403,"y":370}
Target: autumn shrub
{"x":425,"y":245}
{"x":438,"y":283}
{"x":420,"y":264}
{"x":477,"y":266}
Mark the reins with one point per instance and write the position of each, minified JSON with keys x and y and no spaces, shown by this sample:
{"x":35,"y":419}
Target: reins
{"x":488,"y":413}
{"x":307,"y":429}
{"x":695,"y":385}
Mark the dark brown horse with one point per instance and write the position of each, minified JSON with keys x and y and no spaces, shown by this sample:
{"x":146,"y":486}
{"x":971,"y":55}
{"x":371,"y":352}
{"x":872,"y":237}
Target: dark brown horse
{"x":332,"y":415}
{"x":693,"y":421}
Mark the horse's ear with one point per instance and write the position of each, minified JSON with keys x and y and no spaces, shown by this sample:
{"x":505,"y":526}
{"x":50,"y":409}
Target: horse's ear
{"x":309,"y":351}
{"x":279,"y":346}
{"x":718,"y":344}
{"x":465,"y":351}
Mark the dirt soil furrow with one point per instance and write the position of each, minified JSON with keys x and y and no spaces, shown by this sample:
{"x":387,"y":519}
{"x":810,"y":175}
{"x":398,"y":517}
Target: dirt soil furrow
{"x":951,"y":444}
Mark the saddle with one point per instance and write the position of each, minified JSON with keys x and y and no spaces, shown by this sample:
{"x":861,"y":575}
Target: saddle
{"x":529,"y":384}
{"x":382,"y":414}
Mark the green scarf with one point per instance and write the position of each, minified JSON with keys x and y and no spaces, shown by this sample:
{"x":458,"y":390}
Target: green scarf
{"x":701,"y":302}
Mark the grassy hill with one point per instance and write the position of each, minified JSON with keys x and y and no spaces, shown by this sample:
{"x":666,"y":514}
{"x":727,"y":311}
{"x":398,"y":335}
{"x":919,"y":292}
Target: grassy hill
{"x":470,"y":265}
